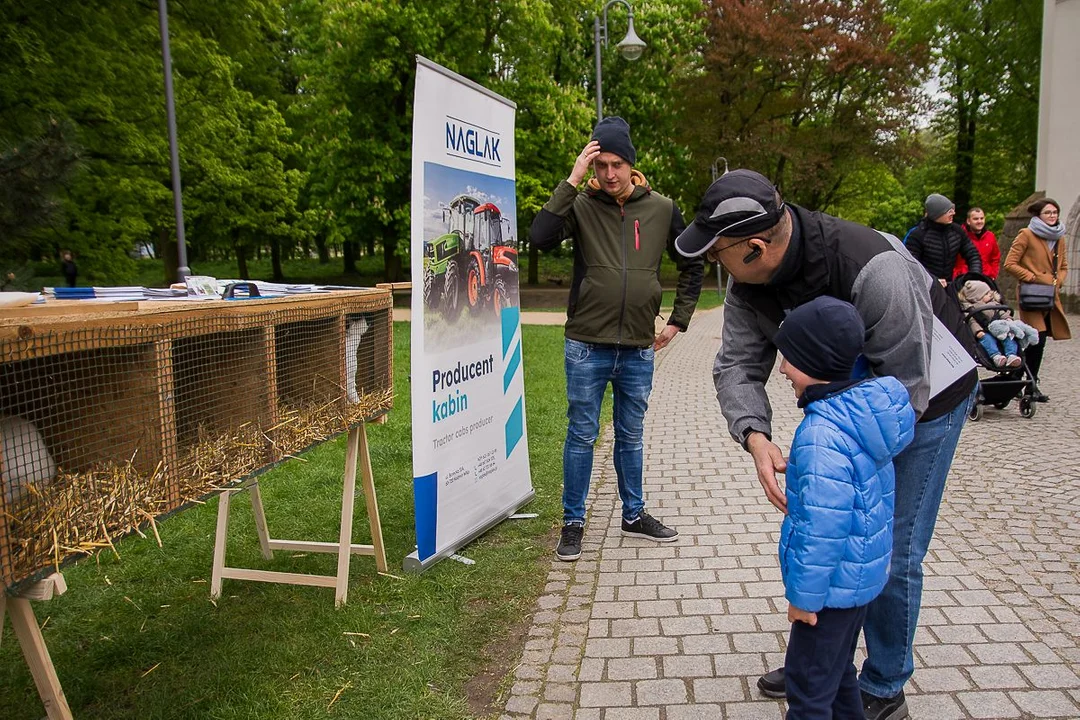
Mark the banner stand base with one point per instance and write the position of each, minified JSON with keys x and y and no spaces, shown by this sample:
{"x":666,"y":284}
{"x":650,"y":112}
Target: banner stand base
{"x":413,"y":564}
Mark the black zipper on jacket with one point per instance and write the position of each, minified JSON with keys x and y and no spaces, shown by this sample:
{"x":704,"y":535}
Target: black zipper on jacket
{"x":622,"y":239}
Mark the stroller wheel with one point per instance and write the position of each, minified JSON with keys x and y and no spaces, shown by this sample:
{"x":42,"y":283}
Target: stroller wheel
{"x":975,"y":413}
{"x":1027,"y":407}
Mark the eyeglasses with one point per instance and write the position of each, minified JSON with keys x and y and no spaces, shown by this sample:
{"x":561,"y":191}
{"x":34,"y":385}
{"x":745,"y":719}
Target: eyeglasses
{"x":713,"y":253}
{"x":1048,"y":212}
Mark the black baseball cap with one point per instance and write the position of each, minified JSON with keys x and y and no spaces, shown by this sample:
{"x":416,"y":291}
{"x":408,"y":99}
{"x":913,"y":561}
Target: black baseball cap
{"x":739,"y":204}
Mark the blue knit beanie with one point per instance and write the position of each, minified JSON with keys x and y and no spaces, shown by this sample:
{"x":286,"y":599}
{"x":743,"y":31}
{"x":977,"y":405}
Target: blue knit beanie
{"x":822,"y":338}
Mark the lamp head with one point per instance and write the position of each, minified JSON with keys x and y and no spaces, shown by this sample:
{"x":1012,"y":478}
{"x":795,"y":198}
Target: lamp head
{"x":631,"y":47}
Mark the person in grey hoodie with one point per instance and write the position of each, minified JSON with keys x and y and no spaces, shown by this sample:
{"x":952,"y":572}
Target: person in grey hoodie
{"x":781,"y":256}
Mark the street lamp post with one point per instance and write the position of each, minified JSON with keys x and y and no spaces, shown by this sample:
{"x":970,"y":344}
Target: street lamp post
{"x":630,"y":47}
{"x":182,"y":270}
{"x":714,"y":169}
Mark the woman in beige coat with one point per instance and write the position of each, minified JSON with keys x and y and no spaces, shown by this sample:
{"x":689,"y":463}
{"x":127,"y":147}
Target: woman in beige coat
{"x":1038,"y":256}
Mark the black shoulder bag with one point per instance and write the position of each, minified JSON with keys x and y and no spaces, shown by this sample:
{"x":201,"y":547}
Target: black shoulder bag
{"x":1036,"y":297}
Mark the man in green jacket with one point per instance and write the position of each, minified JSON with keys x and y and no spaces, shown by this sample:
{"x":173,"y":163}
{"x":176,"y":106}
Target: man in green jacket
{"x":620,"y":230}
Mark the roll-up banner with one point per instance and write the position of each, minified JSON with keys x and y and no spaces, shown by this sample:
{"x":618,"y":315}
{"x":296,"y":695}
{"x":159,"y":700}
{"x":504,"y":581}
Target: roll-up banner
{"x":470,"y":448}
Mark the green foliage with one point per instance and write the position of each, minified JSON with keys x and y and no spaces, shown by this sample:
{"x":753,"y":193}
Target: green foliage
{"x":805,"y":93}
{"x":872,"y":195}
{"x":295,"y":116}
{"x":30,"y":175}
{"x":97,"y":67}
{"x":979,"y":143}
{"x":357,"y":73}
{"x":985,"y":122}
{"x":650,"y":93}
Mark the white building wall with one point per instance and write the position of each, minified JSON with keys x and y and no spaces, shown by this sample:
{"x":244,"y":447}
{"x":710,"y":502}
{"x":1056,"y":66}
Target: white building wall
{"x":1058,"y":165}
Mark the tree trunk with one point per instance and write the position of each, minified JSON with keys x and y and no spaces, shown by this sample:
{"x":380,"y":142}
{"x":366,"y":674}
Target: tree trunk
{"x":371,"y":246}
{"x":167,"y":251}
{"x":348,"y":253}
{"x":275,"y":260}
{"x":534,"y":265}
{"x":967,"y":110}
{"x":391,"y":261}
{"x":324,"y":252}
{"x":241,"y":261}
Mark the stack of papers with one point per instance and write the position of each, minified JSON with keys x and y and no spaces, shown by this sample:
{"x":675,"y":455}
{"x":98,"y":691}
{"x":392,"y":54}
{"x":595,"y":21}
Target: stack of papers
{"x":169,"y":293}
{"x":203,"y":289}
{"x":107,"y":294}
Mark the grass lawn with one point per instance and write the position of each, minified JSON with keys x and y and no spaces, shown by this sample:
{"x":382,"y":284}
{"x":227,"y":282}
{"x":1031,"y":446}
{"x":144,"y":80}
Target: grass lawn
{"x":151,"y":273}
{"x":708,"y":300}
{"x":138,"y":637}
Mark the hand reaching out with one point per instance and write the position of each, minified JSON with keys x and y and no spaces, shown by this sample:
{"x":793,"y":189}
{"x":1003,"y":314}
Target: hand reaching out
{"x":665,"y":336}
{"x":768,"y":461}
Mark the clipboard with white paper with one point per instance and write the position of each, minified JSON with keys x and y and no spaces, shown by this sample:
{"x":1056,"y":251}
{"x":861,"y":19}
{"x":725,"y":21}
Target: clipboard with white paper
{"x":949,"y":361}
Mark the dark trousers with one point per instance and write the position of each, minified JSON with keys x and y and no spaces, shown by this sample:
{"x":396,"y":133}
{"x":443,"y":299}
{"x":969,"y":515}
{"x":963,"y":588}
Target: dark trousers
{"x":1033,"y":354}
{"x":819,"y":669}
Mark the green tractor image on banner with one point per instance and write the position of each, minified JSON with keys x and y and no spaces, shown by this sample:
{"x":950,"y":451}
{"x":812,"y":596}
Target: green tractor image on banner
{"x":471,"y":264}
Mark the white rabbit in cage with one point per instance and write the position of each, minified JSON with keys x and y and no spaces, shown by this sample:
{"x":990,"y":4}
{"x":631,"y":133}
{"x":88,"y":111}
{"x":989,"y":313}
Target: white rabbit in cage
{"x":26,"y":458}
{"x":354,"y":331}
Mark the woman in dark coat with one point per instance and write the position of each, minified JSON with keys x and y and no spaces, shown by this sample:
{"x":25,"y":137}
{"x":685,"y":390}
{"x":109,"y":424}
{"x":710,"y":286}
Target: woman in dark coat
{"x":1038,"y":256}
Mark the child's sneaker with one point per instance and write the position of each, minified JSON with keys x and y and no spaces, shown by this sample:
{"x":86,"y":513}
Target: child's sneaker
{"x":1013,"y":361}
{"x":998,"y":360}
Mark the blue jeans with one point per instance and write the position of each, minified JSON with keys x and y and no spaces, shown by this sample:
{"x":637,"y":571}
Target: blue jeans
{"x":1008,"y":346}
{"x":891,"y":618}
{"x":589,"y":369}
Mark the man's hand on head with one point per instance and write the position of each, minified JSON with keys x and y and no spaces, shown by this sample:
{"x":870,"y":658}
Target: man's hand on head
{"x":583,"y":164}
{"x":768,"y":461}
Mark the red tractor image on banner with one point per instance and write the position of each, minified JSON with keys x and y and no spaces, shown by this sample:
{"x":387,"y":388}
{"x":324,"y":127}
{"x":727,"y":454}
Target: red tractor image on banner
{"x":472,"y":261}
{"x":491,"y":278}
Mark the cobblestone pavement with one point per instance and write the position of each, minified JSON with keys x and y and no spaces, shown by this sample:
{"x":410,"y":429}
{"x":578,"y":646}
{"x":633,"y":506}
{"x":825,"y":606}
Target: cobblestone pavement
{"x":639,"y":631}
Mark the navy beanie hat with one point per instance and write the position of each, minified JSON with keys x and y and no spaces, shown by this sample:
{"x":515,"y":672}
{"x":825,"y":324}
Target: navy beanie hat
{"x":613,"y":134}
{"x":822,"y":338}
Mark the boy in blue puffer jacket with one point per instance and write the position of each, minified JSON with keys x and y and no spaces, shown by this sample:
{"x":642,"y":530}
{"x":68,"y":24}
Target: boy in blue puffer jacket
{"x":836,"y":540}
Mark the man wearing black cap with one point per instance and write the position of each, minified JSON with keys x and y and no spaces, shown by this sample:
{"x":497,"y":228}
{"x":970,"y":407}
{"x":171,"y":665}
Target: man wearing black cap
{"x":620,"y":230}
{"x":780,"y":257}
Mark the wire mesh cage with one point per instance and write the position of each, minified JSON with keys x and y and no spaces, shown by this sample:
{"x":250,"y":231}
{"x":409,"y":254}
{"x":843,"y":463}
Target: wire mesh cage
{"x":112,"y":419}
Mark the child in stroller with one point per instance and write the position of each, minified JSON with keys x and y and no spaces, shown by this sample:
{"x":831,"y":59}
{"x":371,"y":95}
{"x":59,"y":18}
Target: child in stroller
{"x":1001,"y":339}
{"x":992,"y":321}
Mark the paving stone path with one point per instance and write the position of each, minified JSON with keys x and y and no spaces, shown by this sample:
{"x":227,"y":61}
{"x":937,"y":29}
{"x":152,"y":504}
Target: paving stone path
{"x":639,"y":631}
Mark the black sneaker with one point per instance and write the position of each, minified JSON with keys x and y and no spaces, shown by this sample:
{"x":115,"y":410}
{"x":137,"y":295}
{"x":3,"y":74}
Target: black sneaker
{"x":570,"y":542}
{"x":771,"y":684}
{"x":1040,"y":397}
{"x":877,"y":708}
{"x":649,"y":528}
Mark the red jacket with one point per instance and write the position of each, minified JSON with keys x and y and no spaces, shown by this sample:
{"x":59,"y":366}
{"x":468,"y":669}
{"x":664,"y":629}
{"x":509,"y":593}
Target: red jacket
{"x":988,"y":251}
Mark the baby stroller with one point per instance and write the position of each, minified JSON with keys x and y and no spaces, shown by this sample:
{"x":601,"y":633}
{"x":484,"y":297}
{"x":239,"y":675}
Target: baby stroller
{"x":1006,"y":383}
